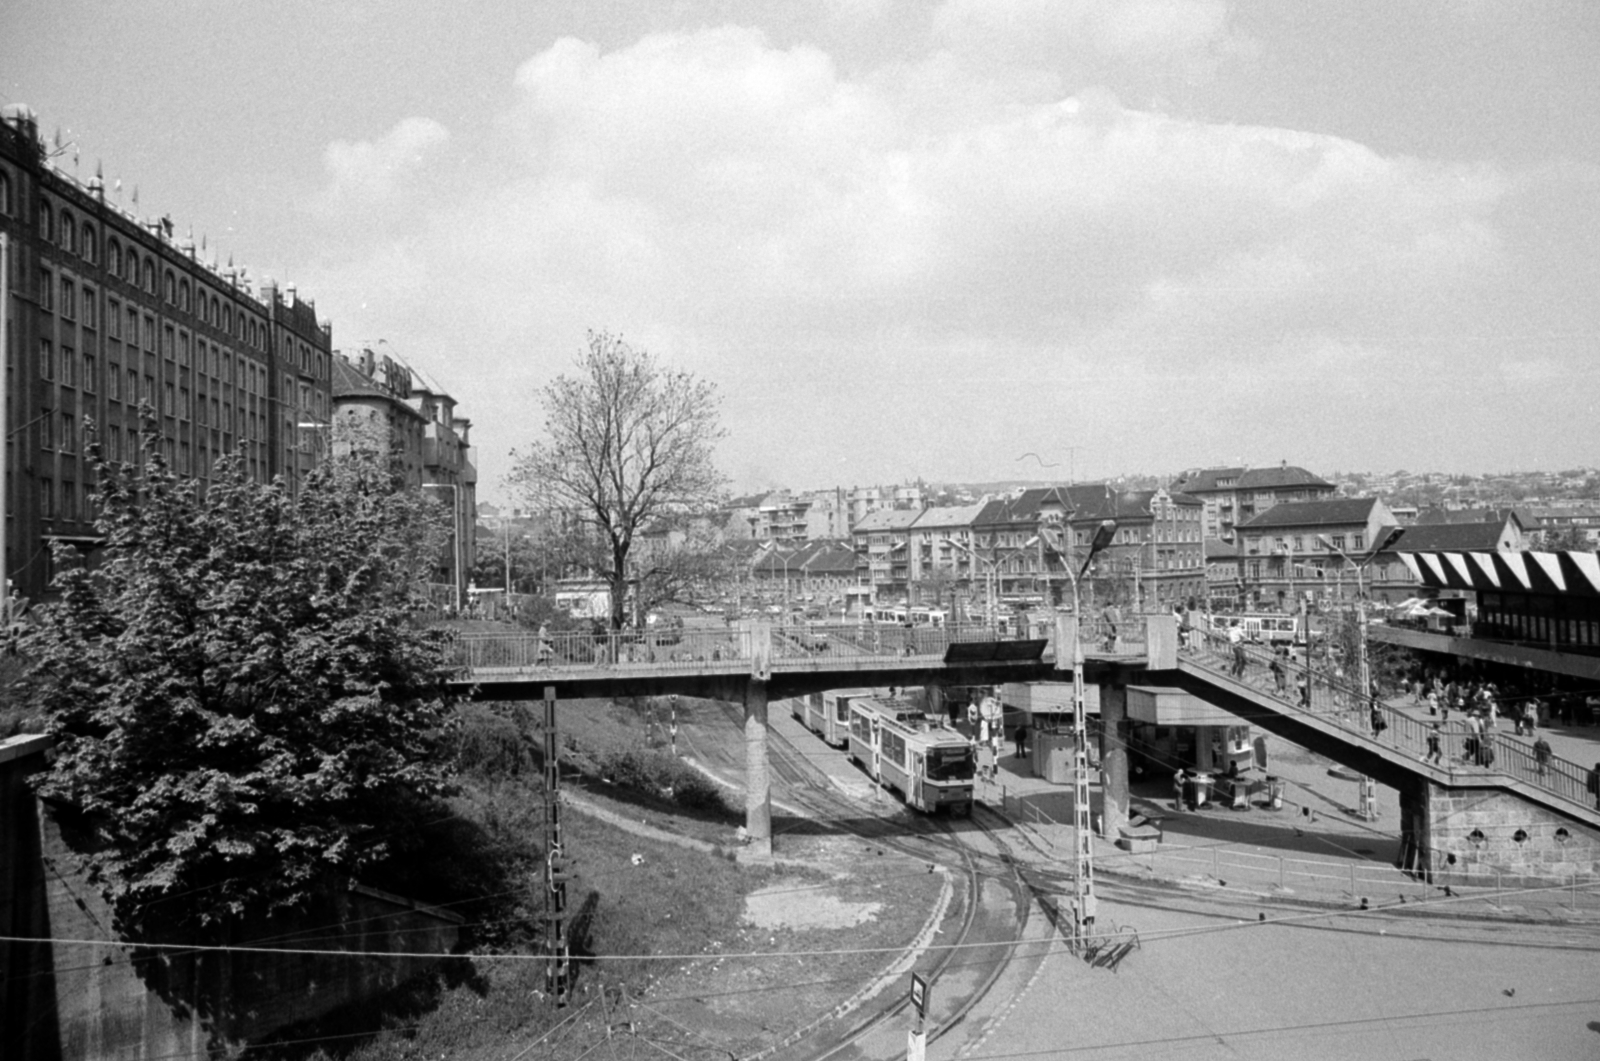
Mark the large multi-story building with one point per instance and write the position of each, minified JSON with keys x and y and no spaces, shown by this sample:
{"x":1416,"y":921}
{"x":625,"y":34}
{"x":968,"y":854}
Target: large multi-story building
{"x":1235,"y":496}
{"x":1018,"y":548}
{"x":105,"y":314}
{"x":1330,"y":549}
{"x":382,"y":403}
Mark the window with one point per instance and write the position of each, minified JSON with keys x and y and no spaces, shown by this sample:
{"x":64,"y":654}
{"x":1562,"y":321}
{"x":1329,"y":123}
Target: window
{"x":183,"y":403}
{"x":113,"y":318}
{"x":88,"y":308}
{"x":168,"y":340}
{"x":69,"y":298}
{"x":183,"y":295}
{"x":68,"y":442}
{"x":149,"y":332}
{"x":227,"y":319}
{"x":150,"y":276}
{"x":149,"y":392}
{"x":5,"y":193}
{"x":68,"y":367}
{"x":88,"y":372}
{"x":69,"y":499}
{"x":47,"y":284}
{"x":114,"y":258}
{"x":1356,"y":542}
{"x":47,"y":359}
{"x":169,"y":287}
{"x":183,"y":348}
{"x":47,"y":499}
{"x":114,"y":381}
{"x":167,"y":402}
{"x":86,"y":243}
{"x":133,"y":386}
{"x":46,"y":223}
{"x":69,"y":234}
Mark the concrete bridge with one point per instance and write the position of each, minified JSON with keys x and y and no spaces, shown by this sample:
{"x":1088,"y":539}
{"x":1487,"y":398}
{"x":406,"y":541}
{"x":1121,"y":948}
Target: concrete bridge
{"x":1461,"y":822}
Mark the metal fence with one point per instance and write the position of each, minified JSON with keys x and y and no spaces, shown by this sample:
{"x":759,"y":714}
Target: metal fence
{"x":690,"y":648}
{"x":1323,"y":691}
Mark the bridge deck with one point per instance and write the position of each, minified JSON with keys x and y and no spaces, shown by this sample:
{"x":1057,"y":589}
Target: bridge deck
{"x":1337,"y":722}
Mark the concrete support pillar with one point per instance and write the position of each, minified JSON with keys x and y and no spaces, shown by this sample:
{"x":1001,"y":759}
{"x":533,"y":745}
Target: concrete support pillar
{"x":758,"y":785}
{"x":1114,"y":731}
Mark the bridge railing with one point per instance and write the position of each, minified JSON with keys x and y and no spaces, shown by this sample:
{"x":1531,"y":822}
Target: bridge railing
{"x":1322,"y":691}
{"x":687,"y":650}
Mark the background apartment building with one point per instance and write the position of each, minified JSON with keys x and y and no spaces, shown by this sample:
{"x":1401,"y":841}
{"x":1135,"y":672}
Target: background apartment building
{"x":1234,"y":496}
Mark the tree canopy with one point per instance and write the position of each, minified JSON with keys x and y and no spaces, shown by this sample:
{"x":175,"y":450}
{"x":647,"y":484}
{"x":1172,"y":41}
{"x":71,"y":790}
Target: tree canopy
{"x":628,"y":442}
{"x":239,"y":694}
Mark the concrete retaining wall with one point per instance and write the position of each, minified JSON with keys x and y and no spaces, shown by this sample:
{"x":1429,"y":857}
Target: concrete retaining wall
{"x":63,"y":1001}
{"x":1482,"y":836}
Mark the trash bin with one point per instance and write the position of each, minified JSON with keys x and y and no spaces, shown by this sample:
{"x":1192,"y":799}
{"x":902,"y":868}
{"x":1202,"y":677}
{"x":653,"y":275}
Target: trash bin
{"x":1202,"y":789}
{"x":1275,"y":792}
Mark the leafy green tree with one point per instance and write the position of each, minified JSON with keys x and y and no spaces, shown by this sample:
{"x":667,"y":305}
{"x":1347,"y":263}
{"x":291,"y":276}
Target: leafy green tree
{"x":241,"y":699}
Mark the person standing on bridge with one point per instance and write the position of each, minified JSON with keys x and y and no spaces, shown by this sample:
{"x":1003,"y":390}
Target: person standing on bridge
{"x":1594,"y":785}
{"x":1435,"y":748}
{"x":1541,"y":755}
{"x":1236,"y":639}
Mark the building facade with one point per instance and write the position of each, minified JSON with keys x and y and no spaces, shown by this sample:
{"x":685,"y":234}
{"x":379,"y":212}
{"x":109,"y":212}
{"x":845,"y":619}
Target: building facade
{"x":382,"y":403}
{"x":1235,"y":496}
{"x":111,"y":320}
{"x":1332,"y":550}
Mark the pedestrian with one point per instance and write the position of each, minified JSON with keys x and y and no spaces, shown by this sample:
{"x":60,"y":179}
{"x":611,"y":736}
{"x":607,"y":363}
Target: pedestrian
{"x":1435,"y":747}
{"x":1541,"y":755}
{"x":1181,"y":778}
{"x":1304,"y":682}
{"x":1378,"y":722}
{"x":1433,"y":702}
{"x":1236,"y":640}
{"x":1276,"y":667}
{"x":1594,"y":785}
{"x":1530,"y":716}
{"x":1022,"y":739}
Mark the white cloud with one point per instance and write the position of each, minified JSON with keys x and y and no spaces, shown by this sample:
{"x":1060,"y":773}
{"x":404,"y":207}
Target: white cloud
{"x":818,"y":243}
{"x":370,"y":172}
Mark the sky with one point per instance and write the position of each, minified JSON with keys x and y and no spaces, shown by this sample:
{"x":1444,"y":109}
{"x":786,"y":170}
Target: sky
{"x":962,"y":240}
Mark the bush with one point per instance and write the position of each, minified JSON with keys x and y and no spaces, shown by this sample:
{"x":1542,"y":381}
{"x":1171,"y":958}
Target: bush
{"x":493,"y":746}
{"x":661,"y":774}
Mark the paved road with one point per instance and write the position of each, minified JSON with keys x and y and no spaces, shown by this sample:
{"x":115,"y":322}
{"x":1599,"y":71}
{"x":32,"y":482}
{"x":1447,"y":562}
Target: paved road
{"x":1325,"y":989}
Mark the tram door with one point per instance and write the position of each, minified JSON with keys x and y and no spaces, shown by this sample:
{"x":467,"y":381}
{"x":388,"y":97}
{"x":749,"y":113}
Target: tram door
{"x":877,"y":753}
{"x":914,"y":794}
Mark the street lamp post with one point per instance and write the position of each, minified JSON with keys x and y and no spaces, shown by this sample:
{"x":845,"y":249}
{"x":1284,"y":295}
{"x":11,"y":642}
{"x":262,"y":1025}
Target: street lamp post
{"x":455,"y":541}
{"x":1083,"y":907}
{"x":991,"y":569}
{"x":1368,"y":804}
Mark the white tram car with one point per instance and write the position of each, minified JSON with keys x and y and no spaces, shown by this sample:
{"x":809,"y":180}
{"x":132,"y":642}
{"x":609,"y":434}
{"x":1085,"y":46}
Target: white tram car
{"x":828,"y":714}
{"x":929,"y":763}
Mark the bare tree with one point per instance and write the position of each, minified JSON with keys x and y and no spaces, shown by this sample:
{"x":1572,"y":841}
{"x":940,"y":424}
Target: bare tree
{"x":629,"y":441}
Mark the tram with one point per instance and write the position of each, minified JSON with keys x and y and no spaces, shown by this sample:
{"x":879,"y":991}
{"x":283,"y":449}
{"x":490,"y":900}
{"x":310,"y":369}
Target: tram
{"x":900,"y":747}
{"x":828,"y":714}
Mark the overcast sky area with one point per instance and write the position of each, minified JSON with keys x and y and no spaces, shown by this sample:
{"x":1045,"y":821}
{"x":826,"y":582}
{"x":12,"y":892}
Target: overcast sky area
{"x":903,"y":238}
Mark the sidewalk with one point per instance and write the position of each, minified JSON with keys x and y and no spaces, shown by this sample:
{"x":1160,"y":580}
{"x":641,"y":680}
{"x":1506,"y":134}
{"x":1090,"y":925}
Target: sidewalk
{"x":1315,"y":849}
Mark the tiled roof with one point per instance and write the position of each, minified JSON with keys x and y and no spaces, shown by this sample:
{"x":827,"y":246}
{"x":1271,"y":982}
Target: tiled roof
{"x":1205,"y":479}
{"x":1451,"y":537}
{"x":1341,"y":510}
{"x":888,"y":519}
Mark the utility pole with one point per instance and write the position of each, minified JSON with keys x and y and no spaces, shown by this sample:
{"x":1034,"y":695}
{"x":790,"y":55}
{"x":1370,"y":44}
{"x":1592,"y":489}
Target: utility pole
{"x":559,"y":964}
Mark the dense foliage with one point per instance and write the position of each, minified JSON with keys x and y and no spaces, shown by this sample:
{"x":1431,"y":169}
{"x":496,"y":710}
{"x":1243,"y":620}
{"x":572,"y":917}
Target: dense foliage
{"x":241,"y":700}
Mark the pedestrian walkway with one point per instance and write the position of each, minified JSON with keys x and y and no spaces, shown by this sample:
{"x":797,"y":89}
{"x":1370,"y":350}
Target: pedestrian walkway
{"x":1314,"y":848}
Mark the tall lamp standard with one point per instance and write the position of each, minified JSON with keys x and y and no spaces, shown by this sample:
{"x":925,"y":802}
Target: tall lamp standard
{"x":992,"y":568}
{"x":1083,"y":907}
{"x":455,"y":541}
{"x":1368,"y":807}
